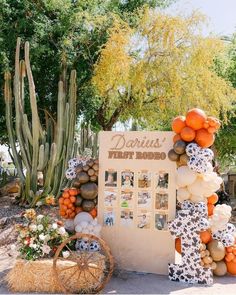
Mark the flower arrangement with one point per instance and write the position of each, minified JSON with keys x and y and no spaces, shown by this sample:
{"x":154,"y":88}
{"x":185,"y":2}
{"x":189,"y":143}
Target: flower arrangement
{"x":40,"y":236}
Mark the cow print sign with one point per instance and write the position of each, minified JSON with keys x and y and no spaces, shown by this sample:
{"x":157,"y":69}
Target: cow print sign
{"x":190,"y":221}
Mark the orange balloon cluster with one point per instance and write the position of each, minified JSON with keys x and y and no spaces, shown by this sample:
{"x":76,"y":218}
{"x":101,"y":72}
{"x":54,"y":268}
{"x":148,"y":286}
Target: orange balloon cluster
{"x":67,"y":203}
{"x":196,"y":126}
{"x":230,"y":259}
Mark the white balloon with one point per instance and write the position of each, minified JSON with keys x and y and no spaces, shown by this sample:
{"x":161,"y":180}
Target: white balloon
{"x":90,"y":226}
{"x":185,"y":176}
{"x":97,"y":228}
{"x":83,"y":224}
{"x":94,"y":222}
{"x":196,"y":188}
{"x":182,"y":194}
{"x":82,"y":216}
{"x":78,"y":229}
{"x":197,"y":199}
{"x":69,"y":225}
{"x":85,"y":231}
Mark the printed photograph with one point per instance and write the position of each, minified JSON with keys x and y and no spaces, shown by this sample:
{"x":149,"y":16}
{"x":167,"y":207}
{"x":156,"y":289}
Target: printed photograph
{"x":109,"y":218}
{"x":144,"y":199}
{"x":161,"y":202}
{"x":126,"y":199}
{"x":144,"y":220}
{"x":144,"y":179}
{"x":111,"y":178}
{"x":126,"y":217}
{"x":162,"y":180}
{"x":127,"y":179}
{"x":110,"y":198}
{"x":161,"y":221}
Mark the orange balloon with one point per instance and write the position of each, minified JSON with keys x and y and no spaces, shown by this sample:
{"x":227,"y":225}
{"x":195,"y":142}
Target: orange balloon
{"x":61,"y":200}
{"x":67,"y":202}
{"x":178,"y":245}
{"x":187,"y":134}
{"x":211,"y":130}
{"x":231,"y":267}
{"x":66,"y":195}
{"x":93,"y":212}
{"x":205,"y":236}
{"x":195,"y":118}
{"x":213,"y":199}
{"x":210,"y":208}
{"x":72,"y":199}
{"x":229,"y":249}
{"x":178,"y":124}
{"x":176,"y":138}
{"x":73,"y":191}
{"x":229,"y":257}
{"x":204,"y":138}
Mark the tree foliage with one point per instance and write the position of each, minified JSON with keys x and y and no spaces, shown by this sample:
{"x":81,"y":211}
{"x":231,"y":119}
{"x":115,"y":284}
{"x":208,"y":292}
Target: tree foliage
{"x":159,"y":69}
{"x":61,"y":32}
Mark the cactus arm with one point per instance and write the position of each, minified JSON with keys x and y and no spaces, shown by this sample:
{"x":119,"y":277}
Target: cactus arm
{"x":18,"y":109}
{"x":12,"y":140}
{"x":60,"y":119}
{"x":27,"y":129}
{"x":35,"y":120}
{"x":41,"y":158}
{"x":51,"y":167}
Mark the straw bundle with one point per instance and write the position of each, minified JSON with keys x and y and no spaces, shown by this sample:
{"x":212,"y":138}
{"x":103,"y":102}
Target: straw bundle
{"x":39,"y":276}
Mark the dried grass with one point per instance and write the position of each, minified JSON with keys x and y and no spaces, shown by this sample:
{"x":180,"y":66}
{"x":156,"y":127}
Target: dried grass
{"x":38,"y":276}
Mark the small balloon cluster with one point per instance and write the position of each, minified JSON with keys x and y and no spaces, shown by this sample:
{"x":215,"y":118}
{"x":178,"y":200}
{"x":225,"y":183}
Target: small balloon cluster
{"x":78,"y":204}
{"x":197,"y":182}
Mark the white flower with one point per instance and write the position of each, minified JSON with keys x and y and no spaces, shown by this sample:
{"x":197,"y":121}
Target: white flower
{"x":62,"y":231}
{"x":34,"y":246}
{"x":54,"y":226}
{"x":42,"y":237}
{"x":39,"y":217}
{"x":47,"y":238}
{"x":45,"y":249}
{"x":40,"y":227}
{"x":65,"y":254}
{"x":33,"y":227}
{"x":39,"y":203}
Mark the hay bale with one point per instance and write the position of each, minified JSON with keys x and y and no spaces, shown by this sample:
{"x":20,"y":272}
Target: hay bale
{"x":39,"y":276}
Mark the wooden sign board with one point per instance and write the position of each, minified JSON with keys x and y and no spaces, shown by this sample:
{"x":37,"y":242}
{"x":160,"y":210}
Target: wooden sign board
{"x":137,"y":196}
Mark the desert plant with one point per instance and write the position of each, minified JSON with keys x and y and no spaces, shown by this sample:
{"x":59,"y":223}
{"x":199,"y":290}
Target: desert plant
{"x":43,"y":148}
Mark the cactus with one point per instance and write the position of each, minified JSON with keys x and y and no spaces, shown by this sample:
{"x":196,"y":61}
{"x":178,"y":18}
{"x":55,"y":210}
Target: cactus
{"x":88,"y":140}
{"x":41,"y":149}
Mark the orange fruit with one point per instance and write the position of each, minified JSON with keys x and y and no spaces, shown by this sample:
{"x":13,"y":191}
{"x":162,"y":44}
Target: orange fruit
{"x":72,"y":199}
{"x":204,"y":138}
{"x":61,"y":200}
{"x":178,"y":245}
{"x":229,"y":249}
{"x":178,"y":124}
{"x":211,"y":130}
{"x":210,"y":208}
{"x":229,"y":257}
{"x":67,"y":202}
{"x":73,"y":191}
{"x":93,"y":212}
{"x":176,"y":138}
{"x":65,"y":195}
{"x":195,"y":118}
{"x":187,"y":134}
{"x":205,"y":236}
{"x":213,"y":199}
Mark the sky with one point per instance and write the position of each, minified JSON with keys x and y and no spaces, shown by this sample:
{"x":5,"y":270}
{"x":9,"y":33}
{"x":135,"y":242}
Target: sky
{"x":221,"y":14}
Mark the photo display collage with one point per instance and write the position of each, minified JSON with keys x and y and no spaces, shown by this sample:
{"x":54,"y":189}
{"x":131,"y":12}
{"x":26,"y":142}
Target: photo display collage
{"x":136,"y":199}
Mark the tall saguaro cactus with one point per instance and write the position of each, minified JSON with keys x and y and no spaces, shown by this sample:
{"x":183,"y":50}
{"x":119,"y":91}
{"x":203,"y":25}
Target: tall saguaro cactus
{"x":41,"y":149}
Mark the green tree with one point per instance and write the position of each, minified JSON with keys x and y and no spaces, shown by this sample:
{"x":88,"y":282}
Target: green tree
{"x":62,"y":33}
{"x":225,"y":66}
{"x":158,"y":70}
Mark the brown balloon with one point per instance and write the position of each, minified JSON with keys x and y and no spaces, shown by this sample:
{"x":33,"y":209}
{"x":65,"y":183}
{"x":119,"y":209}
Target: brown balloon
{"x":89,"y":190}
{"x":173,"y":156}
{"x":179,"y":147}
{"x":88,"y":205}
{"x":82,"y":177}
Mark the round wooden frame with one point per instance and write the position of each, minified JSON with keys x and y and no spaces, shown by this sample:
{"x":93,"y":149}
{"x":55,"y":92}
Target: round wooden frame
{"x":83,"y":263}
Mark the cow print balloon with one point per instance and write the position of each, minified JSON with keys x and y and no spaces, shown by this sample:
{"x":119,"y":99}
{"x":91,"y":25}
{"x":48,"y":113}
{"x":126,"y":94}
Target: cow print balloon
{"x":192,"y":149}
{"x":206,"y":154}
{"x":197,"y":164}
{"x":72,"y":163}
{"x":70,"y":173}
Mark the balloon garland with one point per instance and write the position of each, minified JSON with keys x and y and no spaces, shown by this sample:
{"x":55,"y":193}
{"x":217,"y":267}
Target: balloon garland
{"x":196,"y":184}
